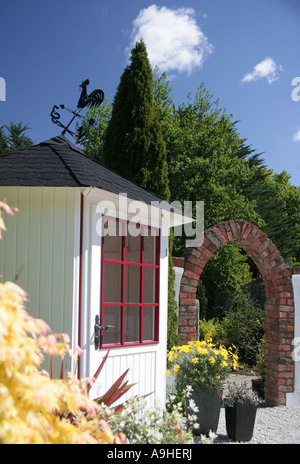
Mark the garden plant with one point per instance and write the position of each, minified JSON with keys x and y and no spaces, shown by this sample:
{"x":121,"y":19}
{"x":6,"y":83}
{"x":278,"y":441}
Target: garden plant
{"x":201,"y":364}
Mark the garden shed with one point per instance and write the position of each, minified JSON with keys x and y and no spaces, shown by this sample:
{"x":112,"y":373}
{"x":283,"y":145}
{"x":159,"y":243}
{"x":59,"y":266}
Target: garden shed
{"x":91,"y":250}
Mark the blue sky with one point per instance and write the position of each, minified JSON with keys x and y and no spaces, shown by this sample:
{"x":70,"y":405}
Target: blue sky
{"x":245,"y":51}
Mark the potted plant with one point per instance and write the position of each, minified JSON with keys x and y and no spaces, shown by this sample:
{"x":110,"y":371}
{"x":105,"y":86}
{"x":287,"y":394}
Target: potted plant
{"x":240,"y":411}
{"x":204,"y":367}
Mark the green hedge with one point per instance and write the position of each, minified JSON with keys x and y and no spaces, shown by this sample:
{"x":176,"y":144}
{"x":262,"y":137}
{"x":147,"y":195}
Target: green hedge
{"x":243,"y":326}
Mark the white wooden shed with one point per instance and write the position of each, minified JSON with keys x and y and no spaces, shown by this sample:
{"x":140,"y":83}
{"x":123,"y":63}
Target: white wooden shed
{"x":63,"y":250}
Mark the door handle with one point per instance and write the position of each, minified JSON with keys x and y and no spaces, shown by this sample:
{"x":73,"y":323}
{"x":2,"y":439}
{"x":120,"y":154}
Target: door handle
{"x":99,"y":328}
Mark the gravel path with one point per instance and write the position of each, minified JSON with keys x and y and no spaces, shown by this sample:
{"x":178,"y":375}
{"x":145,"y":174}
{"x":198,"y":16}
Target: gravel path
{"x":273,"y":425}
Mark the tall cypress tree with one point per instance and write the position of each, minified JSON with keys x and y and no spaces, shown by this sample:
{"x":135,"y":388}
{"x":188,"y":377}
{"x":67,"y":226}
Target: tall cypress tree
{"x":134,"y":145}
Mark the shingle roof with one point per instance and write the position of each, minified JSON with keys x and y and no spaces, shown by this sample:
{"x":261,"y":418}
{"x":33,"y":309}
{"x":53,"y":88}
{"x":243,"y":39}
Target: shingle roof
{"x":59,"y":163}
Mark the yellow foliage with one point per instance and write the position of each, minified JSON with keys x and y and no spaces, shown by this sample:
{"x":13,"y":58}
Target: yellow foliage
{"x":33,"y":407}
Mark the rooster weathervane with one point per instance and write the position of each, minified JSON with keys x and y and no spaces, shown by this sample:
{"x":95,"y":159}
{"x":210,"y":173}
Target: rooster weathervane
{"x":94,"y":99}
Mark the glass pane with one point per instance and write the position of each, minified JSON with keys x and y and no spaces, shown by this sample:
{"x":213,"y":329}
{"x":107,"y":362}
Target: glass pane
{"x":148,"y":323}
{"x":133,"y":248}
{"x":112,"y":316}
{"x":132,"y":324}
{"x":112,"y":239}
{"x":150,"y":285}
{"x":150,"y":249}
{"x":112,"y":284}
{"x":132,"y":284}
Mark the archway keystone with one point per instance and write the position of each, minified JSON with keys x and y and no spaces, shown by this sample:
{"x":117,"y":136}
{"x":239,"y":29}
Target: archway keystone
{"x":279,"y":304}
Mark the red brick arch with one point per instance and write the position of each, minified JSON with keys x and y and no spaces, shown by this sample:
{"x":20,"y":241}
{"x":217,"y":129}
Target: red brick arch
{"x":279,"y":304}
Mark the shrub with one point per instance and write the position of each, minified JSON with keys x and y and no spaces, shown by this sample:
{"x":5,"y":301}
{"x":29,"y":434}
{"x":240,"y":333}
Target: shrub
{"x":201,"y":365}
{"x":241,"y":393}
{"x":34,"y":408}
{"x":244,"y":327}
{"x":214,"y":327}
{"x":142,"y":424}
{"x":154,"y":425}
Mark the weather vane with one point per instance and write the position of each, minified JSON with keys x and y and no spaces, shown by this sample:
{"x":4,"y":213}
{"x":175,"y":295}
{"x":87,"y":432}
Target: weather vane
{"x":95,"y":98}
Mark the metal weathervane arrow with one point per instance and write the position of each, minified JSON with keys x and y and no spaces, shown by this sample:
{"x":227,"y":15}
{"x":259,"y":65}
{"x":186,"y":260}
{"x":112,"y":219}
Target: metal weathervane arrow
{"x":94,"y":99}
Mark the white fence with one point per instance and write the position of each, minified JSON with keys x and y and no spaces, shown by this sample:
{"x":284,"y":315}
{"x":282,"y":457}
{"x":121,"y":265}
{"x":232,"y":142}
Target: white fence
{"x":293,"y":399}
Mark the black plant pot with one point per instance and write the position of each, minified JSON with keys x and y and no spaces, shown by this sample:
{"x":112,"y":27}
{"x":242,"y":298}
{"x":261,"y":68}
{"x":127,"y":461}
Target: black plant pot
{"x":240,"y":420}
{"x":209,"y":405}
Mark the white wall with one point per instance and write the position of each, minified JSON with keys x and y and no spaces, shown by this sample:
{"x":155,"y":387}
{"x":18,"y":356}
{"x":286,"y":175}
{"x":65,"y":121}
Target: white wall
{"x":39,"y":248}
{"x":178,"y":274}
{"x":293,"y":399}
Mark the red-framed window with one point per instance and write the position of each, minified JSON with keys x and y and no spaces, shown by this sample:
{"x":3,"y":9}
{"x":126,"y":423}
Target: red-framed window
{"x":129,"y":283}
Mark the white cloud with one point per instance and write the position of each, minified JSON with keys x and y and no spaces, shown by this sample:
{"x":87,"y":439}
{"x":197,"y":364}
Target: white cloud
{"x":173,"y":39}
{"x":266,"y":69}
{"x":296,"y":137}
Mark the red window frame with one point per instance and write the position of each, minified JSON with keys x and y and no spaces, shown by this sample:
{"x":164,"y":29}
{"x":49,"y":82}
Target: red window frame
{"x":123,"y":305}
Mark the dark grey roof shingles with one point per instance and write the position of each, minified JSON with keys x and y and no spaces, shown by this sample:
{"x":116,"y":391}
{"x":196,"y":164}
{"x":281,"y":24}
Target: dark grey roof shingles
{"x":59,"y":163}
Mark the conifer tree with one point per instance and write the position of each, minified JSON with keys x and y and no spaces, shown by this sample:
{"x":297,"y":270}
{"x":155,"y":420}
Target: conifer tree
{"x":134,"y":146}
{"x":13,"y":137}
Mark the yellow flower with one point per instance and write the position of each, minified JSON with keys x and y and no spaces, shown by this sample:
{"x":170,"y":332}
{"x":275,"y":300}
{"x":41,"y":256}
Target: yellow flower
{"x":195,"y":360}
{"x":176,"y":368}
{"x":212,"y":360}
{"x":168,"y":372}
{"x":207,"y":337}
{"x":224,"y":364}
{"x":185,"y":349}
{"x":170,"y":357}
{"x":202,"y":350}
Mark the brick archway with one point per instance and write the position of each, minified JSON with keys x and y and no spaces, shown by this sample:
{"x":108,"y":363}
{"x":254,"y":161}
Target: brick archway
{"x":279,"y":305}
